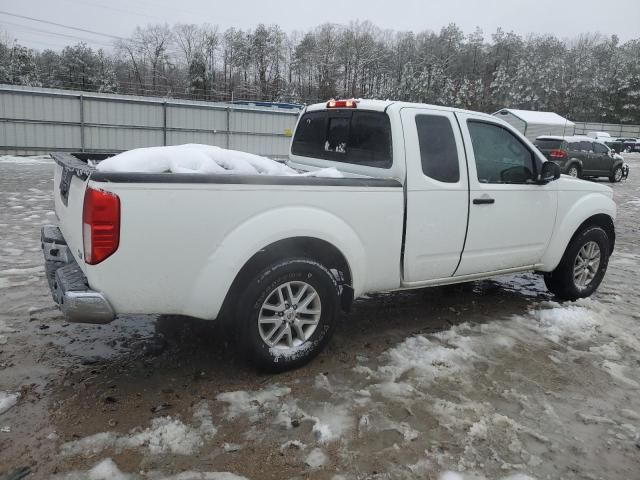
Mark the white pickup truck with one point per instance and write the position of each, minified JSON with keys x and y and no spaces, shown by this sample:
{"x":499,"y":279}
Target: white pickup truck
{"x":430,"y":196}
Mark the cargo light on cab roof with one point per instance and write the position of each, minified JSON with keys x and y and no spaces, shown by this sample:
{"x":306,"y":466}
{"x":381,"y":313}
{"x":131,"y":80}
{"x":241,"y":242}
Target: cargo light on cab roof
{"x":342,"y":104}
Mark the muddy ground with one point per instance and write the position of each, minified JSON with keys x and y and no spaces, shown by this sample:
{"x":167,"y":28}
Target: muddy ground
{"x":489,"y":380}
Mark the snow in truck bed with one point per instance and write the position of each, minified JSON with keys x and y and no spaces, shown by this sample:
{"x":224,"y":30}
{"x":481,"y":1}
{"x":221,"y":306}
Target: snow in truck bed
{"x":193,"y":158}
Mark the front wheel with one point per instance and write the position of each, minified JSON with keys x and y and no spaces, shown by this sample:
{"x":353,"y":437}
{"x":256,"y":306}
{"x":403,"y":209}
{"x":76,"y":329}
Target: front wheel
{"x":582,"y":267}
{"x":616,"y":175}
{"x":287,"y":314}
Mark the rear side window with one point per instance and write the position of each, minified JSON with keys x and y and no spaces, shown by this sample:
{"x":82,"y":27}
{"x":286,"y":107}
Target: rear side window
{"x":438,"y":150}
{"x":358,"y":137}
{"x":586,"y":147}
{"x":548,"y":144}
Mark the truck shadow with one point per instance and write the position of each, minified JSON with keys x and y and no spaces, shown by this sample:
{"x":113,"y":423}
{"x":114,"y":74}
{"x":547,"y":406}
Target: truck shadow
{"x":375,"y":323}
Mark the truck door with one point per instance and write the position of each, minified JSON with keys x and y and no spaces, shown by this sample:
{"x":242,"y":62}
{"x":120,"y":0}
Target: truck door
{"x":511,"y":217}
{"x":437,"y":201}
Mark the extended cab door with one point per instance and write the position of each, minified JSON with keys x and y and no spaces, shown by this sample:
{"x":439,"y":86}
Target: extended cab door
{"x":511,"y":217}
{"x":437,"y":194}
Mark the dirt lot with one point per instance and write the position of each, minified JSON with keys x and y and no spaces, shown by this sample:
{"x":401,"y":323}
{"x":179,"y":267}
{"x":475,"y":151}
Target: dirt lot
{"x":487,"y":380}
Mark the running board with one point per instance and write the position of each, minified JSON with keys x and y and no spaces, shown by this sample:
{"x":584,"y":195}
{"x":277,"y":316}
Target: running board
{"x":466,"y":278}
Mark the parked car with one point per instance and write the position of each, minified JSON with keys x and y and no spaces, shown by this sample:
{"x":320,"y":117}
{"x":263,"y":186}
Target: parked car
{"x":602,"y":136}
{"x":582,"y":157}
{"x":430,"y":196}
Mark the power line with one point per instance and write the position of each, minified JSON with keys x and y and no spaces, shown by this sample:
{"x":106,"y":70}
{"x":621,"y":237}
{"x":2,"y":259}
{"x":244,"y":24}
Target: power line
{"x":61,"y":25}
{"x":57,"y":34}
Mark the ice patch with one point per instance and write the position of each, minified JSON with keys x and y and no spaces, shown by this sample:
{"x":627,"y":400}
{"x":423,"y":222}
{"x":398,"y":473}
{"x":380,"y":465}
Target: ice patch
{"x":7,"y":401}
{"x":108,"y":470}
{"x":316,"y":458}
{"x":165,"y":435}
{"x":331,"y":422}
{"x":203,"y":159}
{"x":252,"y":404}
{"x":472,"y":476}
{"x":573,"y":323}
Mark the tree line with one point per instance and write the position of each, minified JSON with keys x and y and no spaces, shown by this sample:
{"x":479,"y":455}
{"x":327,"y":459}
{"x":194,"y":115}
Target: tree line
{"x":589,"y":78}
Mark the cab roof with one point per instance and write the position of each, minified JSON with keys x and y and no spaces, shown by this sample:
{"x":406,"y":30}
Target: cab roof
{"x":384,"y":105}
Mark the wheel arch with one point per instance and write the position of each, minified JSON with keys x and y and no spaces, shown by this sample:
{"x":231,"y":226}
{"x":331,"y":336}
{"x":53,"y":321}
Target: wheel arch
{"x":574,"y":161}
{"x":603,"y":218}
{"x":277,"y":233}
{"x":313,"y":248}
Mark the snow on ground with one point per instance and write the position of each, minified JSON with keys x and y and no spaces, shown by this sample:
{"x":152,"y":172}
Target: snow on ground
{"x":7,"y":400}
{"x":108,"y":470}
{"x":194,"y":158}
{"x":165,"y":435}
{"x":426,"y":383}
{"x":32,"y":160}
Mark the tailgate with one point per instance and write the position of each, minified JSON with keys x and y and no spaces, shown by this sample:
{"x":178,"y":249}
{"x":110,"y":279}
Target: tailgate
{"x":69,"y":183}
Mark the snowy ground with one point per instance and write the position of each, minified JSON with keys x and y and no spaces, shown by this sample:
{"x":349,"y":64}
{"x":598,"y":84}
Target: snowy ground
{"x":491,"y":380}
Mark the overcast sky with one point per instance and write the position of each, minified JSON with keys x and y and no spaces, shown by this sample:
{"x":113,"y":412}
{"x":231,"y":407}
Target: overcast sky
{"x":564,"y":18}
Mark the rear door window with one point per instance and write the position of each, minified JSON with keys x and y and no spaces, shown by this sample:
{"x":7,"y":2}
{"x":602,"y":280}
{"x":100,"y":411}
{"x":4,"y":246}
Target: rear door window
{"x":358,"y":137}
{"x":438,"y":150}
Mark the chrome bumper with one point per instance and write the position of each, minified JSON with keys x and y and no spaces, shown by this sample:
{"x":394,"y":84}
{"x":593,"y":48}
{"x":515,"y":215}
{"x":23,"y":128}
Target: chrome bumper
{"x":68,"y":285}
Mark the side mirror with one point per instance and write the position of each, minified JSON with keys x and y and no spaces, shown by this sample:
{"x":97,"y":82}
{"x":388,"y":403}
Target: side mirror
{"x":550,"y":172}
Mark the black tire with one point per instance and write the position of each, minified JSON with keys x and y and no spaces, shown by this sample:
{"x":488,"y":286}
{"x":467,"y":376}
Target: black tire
{"x":261,"y":288}
{"x":616,"y":174}
{"x":577,"y":169}
{"x":561,"y":281}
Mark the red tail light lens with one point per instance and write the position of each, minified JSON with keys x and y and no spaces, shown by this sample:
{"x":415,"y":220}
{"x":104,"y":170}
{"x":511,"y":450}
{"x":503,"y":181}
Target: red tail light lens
{"x":100,"y":225}
{"x":342,"y":104}
{"x":558,"y":154}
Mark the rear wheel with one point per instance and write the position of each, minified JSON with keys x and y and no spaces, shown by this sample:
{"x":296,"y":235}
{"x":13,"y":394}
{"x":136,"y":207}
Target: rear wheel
{"x":287,"y":314}
{"x":582,"y":267}
{"x":616,"y":175}
{"x":574,"y":171}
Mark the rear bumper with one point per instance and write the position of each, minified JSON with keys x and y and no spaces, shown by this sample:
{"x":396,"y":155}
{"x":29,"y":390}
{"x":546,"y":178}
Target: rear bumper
{"x":68,"y":285}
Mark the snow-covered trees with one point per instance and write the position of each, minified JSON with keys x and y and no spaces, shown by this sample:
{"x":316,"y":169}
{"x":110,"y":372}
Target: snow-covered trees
{"x":588,"y":78}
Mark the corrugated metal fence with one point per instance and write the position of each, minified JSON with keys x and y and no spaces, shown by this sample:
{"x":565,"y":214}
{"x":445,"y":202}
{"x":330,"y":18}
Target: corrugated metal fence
{"x":615,"y":130}
{"x":40,"y":120}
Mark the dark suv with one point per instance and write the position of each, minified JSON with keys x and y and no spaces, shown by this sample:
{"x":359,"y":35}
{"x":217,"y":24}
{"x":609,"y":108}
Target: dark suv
{"x":582,"y":157}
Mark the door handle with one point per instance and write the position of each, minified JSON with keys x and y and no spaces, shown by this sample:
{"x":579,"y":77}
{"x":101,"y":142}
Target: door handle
{"x":483,"y":201}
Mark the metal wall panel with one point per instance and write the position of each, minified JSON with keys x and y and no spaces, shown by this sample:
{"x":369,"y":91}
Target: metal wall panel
{"x":32,"y":136}
{"x":39,"y":107}
{"x":196,"y":118}
{"x":37,"y":120}
{"x":99,"y":111}
{"x":269,"y":146}
{"x":205,"y":138}
{"x":117,"y":139}
{"x":276,"y":123}
{"x":615,"y":130}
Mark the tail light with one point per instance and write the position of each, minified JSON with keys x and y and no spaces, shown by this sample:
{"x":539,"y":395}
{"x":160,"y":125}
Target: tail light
{"x":100,"y":225}
{"x":559,"y":154}
{"x":342,"y":104}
